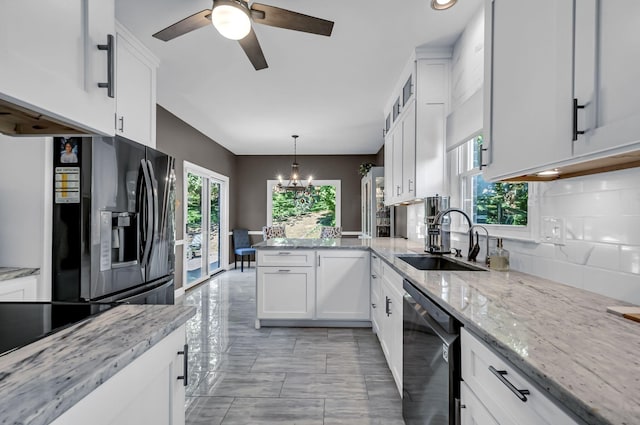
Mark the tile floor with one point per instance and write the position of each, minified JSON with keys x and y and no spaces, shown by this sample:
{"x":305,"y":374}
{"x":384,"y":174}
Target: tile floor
{"x":240,"y":375}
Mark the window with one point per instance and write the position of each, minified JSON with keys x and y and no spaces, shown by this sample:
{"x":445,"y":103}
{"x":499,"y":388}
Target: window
{"x":304,"y":215}
{"x":500,"y":204}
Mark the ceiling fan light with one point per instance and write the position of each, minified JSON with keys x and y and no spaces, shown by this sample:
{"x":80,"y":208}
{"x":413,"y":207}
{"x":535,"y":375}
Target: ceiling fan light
{"x":231,"y":20}
{"x":442,"y":4}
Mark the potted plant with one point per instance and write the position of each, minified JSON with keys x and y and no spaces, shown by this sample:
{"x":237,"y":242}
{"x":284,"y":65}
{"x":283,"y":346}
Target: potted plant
{"x":364,"y":168}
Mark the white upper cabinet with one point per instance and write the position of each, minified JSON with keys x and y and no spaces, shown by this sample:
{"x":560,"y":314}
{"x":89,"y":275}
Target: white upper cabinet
{"x":51,"y":63}
{"x":135,"y":89}
{"x":528,"y":85}
{"x":414,"y":144}
{"x":559,"y":86}
{"x":607,"y":67}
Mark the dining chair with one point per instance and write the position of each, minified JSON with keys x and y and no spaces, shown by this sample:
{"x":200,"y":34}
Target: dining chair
{"x":242,"y":247}
{"x":270,"y":232}
{"x":330,"y":232}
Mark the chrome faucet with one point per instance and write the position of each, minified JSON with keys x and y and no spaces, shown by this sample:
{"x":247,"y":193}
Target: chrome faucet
{"x":486,"y":258}
{"x":435,"y":236}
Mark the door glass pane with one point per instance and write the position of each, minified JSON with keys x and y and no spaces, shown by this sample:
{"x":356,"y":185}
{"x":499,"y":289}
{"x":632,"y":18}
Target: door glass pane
{"x":214,"y":225}
{"x":304,"y":213}
{"x":194,"y":231}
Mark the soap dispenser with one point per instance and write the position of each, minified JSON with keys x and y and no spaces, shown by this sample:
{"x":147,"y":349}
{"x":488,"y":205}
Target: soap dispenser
{"x":499,"y":257}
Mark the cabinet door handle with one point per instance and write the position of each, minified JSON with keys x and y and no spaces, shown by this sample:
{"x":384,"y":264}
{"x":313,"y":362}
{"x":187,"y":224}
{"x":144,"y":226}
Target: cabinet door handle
{"x":284,"y":271}
{"x":185,"y":364}
{"x":121,"y":119}
{"x":398,"y":190}
{"x":576,"y":132}
{"x":481,"y":159}
{"x":387,"y":307}
{"x":374,"y":276}
{"x":110,"y":66}
{"x":521,"y":394}
{"x":410,"y":183}
{"x":373,"y":305}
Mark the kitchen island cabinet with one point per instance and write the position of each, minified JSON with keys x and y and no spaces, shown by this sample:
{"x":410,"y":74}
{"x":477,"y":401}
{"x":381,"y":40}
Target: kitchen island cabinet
{"x":308,"y":282}
{"x":343,"y":285}
{"x":121,"y":366}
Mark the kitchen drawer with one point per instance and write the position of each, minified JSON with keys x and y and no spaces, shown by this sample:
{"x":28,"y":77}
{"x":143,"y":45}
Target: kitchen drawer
{"x":503,"y":403}
{"x":287,"y":258}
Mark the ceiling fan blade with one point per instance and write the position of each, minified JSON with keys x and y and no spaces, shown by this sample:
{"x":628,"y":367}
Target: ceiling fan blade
{"x":193,"y":22}
{"x":253,"y":50}
{"x":283,"y":18}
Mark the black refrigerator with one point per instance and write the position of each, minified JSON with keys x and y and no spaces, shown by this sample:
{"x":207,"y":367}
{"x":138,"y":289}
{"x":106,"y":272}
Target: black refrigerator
{"x":113,"y":222}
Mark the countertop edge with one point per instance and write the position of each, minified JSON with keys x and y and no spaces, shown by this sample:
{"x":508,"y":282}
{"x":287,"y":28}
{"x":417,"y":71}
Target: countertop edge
{"x":66,"y":399}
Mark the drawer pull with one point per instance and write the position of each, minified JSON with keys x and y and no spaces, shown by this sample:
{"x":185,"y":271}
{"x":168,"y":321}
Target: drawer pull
{"x":283,"y":271}
{"x":521,"y":394}
{"x":185,"y":364}
{"x":284,"y":253}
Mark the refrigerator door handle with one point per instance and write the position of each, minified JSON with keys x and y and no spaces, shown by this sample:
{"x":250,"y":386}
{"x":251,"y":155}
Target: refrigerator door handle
{"x":148,"y":216}
{"x":154,"y":195}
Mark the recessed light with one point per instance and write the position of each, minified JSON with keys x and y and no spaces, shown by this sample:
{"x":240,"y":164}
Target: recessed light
{"x":548,"y":173}
{"x":442,"y":4}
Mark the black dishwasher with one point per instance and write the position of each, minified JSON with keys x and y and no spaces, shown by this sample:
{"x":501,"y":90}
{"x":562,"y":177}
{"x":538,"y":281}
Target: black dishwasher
{"x":431,"y":361}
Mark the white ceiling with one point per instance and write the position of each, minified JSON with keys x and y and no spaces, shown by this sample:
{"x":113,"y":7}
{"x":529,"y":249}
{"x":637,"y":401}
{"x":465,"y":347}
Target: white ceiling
{"x":329,"y":90}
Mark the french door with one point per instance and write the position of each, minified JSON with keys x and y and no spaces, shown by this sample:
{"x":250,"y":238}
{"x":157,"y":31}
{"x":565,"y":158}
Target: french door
{"x":206,"y":223}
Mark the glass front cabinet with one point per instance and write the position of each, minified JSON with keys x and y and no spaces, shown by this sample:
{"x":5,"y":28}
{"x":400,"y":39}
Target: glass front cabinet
{"x":376,"y":218}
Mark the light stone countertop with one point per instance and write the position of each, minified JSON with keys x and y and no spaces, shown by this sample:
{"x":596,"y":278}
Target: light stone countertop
{"x":560,"y":337}
{"x":7,"y":273}
{"x":44,"y":379}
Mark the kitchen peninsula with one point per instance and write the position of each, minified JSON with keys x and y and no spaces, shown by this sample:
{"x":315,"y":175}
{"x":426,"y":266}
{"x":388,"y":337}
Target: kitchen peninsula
{"x":108,"y":368}
{"x":559,"y":337}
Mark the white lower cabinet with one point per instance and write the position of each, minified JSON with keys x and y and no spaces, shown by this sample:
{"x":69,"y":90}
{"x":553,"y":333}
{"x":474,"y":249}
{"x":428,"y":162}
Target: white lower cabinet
{"x":500,"y":389}
{"x":472,"y":411}
{"x":285,"y":292}
{"x":391,"y":332}
{"x":342,"y":285}
{"x":376,"y":294}
{"x":147,"y":391}
{"x":20,"y":289}
{"x":328,"y":284}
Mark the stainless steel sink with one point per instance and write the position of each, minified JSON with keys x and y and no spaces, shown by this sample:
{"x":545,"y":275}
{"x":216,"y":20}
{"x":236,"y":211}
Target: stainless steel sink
{"x":431,"y":262}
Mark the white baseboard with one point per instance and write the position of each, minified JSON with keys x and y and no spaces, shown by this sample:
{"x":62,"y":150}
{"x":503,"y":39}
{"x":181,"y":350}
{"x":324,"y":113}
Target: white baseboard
{"x":179,"y":292}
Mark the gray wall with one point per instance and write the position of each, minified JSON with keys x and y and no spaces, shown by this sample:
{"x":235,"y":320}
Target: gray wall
{"x":253,"y":171}
{"x":185,"y":143}
{"x":248,"y":175}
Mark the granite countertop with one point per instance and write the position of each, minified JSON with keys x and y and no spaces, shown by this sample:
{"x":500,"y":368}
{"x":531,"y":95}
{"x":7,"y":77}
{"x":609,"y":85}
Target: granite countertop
{"x":327,"y":243}
{"x":559,"y":336}
{"x":42,"y":380}
{"x":7,"y":273}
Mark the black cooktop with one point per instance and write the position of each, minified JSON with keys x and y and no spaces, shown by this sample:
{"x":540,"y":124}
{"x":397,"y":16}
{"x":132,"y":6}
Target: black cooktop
{"x":22,"y":323}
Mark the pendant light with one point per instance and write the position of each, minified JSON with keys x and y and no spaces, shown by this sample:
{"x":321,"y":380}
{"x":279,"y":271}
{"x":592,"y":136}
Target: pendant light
{"x":294,"y":184}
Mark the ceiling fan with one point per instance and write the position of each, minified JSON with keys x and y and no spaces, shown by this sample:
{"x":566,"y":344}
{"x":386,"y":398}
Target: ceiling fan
{"x":232,"y":18}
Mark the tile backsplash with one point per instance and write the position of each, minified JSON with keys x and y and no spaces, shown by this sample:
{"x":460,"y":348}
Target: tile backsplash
{"x":601,"y":253}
